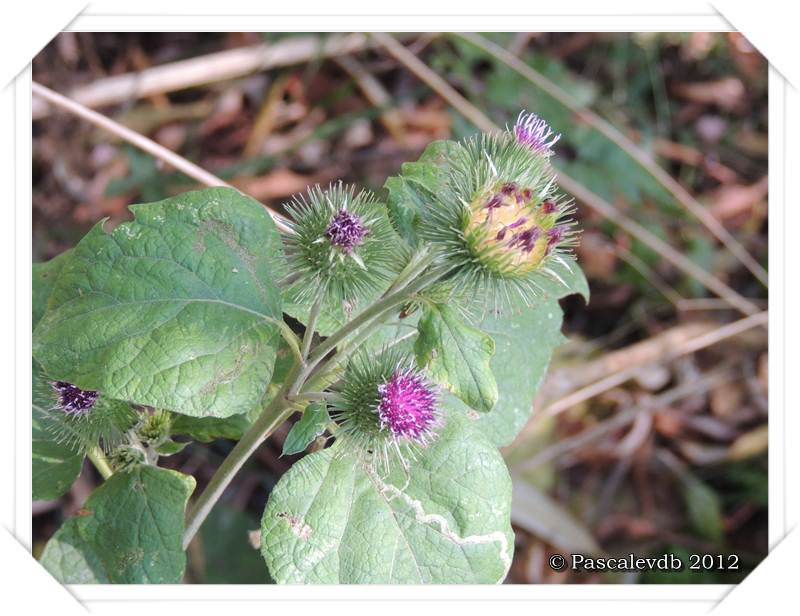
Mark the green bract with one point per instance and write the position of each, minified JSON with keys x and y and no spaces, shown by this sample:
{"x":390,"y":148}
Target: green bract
{"x":342,"y":246}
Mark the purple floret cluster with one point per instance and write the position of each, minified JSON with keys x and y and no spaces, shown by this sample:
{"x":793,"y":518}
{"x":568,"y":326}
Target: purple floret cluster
{"x":346,"y":231}
{"x":407,"y":406}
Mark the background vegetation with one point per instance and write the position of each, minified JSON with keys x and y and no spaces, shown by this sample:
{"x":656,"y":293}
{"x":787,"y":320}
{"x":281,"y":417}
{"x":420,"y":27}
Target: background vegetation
{"x":649,"y":434}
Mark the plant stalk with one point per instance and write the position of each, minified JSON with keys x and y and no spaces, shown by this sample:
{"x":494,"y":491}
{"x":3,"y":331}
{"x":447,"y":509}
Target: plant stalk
{"x":280,"y":408}
{"x":273,"y":416}
{"x":311,"y":326}
{"x":98,"y":458}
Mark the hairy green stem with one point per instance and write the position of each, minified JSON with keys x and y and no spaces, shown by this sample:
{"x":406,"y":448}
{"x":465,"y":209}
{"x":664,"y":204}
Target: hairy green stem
{"x":311,"y":326}
{"x":98,"y":458}
{"x":415,"y":266}
{"x":388,"y":302}
{"x":273,"y":416}
{"x":312,"y":396}
{"x":280,"y":408}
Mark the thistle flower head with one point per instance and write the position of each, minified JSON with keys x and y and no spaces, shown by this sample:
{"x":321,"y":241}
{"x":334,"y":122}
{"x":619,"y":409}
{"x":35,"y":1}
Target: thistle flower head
{"x":72,"y":399}
{"x":346,"y":231}
{"x":510,"y":230}
{"x":534,"y":133}
{"x":386,"y":408}
{"x":407,"y":406}
{"x":498,"y":218}
{"x":80,"y":418}
{"x":342,"y":245}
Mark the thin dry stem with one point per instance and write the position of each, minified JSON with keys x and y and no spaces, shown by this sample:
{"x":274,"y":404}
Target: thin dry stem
{"x":690,"y":346}
{"x":210,"y":68}
{"x":143,"y":143}
{"x":623,"y":417}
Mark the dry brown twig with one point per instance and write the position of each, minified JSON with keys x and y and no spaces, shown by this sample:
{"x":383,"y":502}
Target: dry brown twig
{"x":687,"y":347}
{"x":622,"y":418}
{"x":583,"y":194}
{"x":140,"y":141}
{"x":375,"y":93}
{"x":209,"y":68}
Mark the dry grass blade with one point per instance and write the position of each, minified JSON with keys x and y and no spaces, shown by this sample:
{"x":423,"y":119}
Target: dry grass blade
{"x":209,"y":68}
{"x":143,"y":143}
{"x":604,"y":208}
{"x":688,"y":347}
{"x":583,"y":194}
{"x":635,"y":152}
{"x":439,"y":85}
{"x":540,"y":514}
{"x":375,"y":93}
{"x":621,"y":419}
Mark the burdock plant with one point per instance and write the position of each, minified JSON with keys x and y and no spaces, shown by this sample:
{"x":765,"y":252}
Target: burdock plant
{"x":407,"y":336}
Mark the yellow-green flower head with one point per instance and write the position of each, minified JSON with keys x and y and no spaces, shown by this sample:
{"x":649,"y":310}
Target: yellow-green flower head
{"x":499,"y":219}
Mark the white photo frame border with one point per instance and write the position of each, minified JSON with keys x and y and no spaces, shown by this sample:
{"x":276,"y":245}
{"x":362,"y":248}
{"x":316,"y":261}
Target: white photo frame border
{"x":18,"y":251}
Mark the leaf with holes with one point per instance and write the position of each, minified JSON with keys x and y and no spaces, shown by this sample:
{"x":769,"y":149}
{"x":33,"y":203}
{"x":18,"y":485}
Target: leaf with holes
{"x":332,"y":520}
{"x":128,"y":532}
{"x":175,"y":309}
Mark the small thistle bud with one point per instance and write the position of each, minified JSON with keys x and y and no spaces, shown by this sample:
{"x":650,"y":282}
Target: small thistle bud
{"x":386,"y":407}
{"x":74,"y":400}
{"x":343,"y":245}
{"x":346,"y":231}
{"x":407,"y":406}
{"x":80,"y":418}
{"x":534,"y":133}
{"x":154,"y":427}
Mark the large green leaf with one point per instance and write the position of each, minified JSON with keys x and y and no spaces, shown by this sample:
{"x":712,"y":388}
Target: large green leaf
{"x":456,"y":356}
{"x":129,"y":532}
{"x":175,"y":309}
{"x":409,"y":192}
{"x":45,"y":275}
{"x":207,"y":429}
{"x":525,"y":338}
{"x":445,"y":520}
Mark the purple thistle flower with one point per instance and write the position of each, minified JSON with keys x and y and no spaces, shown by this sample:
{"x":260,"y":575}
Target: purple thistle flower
{"x":346,"y":231}
{"x":508,"y":188}
{"x":526,"y":239}
{"x":554,"y":236}
{"x":74,"y":400}
{"x":532,"y":131}
{"x":502,"y":233}
{"x":407,"y":406}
